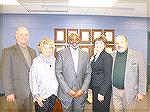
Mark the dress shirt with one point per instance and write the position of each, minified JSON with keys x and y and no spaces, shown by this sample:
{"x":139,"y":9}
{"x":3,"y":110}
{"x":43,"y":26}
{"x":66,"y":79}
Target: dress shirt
{"x":94,"y":57}
{"x":43,"y":81}
{"x":75,"y":57}
{"x":97,"y":55}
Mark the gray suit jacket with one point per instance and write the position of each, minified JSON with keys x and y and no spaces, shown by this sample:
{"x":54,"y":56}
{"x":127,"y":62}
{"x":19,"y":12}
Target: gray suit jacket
{"x":16,"y":72}
{"x":67,"y":77}
{"x":135,"y":80}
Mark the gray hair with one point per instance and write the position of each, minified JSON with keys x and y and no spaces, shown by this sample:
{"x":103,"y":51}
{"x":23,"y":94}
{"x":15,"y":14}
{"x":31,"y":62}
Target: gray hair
{"x":122,"y":36}
{"x":20,"y":28}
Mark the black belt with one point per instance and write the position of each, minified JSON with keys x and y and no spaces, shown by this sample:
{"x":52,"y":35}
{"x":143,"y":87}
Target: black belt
{"x":120,"y":88}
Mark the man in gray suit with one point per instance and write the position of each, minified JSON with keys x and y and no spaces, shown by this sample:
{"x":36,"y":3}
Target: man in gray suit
{"x":73,"y":72}
{"x":129,"y":76}
{"x":17,"y":60}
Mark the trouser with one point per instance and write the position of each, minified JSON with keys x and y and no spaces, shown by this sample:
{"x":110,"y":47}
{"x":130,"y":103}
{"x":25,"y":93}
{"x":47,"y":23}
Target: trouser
{"x":75,"y":106}
{"x":120,"y":103}
{"x":19,"y":105}
{"x":104,"y":105}
{"x":25,"y":105}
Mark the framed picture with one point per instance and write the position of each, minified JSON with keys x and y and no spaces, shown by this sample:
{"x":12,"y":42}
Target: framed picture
{"x":59,"y":35}
{"x":109,"y":48}
{"x":93,"y":50}
{"x":58,"y":48}
{"x":109,"y":36}
{"x":86,"y":49}
{"x":70,"y":31}
{"x":96,"y":33}
{"x":85,"y":36}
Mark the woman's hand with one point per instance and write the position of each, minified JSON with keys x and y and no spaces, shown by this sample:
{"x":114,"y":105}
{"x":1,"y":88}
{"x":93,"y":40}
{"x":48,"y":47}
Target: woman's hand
{"x":40,"y":101}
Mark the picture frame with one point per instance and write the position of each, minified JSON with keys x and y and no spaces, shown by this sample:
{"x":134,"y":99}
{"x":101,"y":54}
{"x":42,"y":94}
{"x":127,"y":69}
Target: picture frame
{"x":93,"y":50}
{"x":85,"y":35}
{"x":85,"y":48}
{"x":58,"y":48}
{"x":60,"y":35}
{"x":109,"y":48}
{"x":109,"y":34}
{"x":70,"y":31}
{"x":96,"y":33}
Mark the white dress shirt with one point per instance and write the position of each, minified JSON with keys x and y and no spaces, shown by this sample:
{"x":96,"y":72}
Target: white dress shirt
{"x":75,"y":56}
{"x":43,"y":81}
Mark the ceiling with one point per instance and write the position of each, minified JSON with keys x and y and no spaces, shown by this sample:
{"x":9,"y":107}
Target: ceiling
{"x":131,"y":8}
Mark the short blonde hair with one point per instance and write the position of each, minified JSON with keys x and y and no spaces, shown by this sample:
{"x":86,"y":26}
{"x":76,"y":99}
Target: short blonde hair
{"x":46,"y":41}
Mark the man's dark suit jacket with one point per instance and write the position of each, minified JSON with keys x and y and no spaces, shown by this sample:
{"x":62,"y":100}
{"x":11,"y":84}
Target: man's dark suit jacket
{"x":16,"y":72}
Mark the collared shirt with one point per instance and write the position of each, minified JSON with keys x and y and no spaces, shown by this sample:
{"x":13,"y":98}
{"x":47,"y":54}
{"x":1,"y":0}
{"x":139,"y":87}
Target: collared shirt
{"x":43,"y":81}
{"x":75,"y":54}
{"x":97,"y":55}
{"x":26,"y":54}
{"x":94,"y":57}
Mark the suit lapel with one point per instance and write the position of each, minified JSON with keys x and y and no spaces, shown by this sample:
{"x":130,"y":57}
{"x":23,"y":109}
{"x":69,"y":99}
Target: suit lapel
{"x":21,"y":54}
{"x":114,"y":57}
{"x":32,"y":55}
{"x":128,"y":62}
{"x":79,"y":60}
{"x":71,"y":59}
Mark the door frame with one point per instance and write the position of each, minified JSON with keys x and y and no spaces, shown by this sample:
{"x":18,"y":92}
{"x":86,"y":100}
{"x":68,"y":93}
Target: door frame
{"x":148,"y":58}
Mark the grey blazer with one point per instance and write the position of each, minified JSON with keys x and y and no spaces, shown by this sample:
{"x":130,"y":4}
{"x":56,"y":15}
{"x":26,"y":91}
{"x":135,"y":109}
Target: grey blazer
{"x":16,"y":72}
{"x":67,"y":77}
{"x":135,"y":80}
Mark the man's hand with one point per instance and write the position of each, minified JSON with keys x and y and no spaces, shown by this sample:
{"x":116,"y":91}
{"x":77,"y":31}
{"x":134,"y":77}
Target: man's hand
{"x":11,"y":98}
{"x":139,"y":97}
{"x":40,"y":101}
{"x":72,"y":93}
{"x":100,"y":98}
{"x":79,"y":93}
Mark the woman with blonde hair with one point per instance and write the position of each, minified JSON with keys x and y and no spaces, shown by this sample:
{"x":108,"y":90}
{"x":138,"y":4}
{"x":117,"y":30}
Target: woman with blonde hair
{"x":43,"y":82}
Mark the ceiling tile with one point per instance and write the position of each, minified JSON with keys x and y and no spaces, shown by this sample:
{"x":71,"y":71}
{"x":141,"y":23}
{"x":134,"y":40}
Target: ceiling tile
{"x":96,"y":11}
{"x":76,"y":10}
{"x":14,"y":9}
{"x":134,"y":8}
{"x":33,"y":6}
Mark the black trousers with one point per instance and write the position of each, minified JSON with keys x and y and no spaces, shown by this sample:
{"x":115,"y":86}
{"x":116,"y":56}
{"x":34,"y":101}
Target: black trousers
{"x":104,"y":105}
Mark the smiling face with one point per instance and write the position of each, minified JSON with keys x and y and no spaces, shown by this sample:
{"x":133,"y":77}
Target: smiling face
{"x":47,"y":50}
{"x":121,"y":43}
{"x":99,"y":46}
{"x":74,"y":41}
{"x":47,"y":47}
{"x":22,"y":36}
